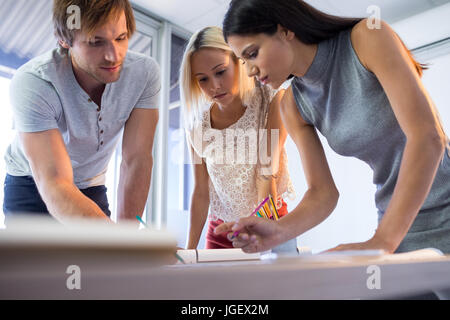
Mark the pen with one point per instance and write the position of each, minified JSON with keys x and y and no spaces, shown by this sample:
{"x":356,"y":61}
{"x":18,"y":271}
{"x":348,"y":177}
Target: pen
{"x":176,"y":254}
{"x":141,"y":221}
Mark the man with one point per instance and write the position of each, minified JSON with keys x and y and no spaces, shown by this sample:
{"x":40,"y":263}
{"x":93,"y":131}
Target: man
{"x":70,"y":106}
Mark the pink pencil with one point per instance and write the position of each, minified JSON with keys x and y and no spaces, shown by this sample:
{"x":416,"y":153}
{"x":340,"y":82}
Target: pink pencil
{"x":259,"y":207}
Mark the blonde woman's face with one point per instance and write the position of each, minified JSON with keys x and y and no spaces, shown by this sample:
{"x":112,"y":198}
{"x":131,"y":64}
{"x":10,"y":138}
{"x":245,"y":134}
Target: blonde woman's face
{"x":216,"y":74}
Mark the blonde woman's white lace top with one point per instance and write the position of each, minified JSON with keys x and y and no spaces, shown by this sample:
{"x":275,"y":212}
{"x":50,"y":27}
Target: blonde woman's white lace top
{"x":231,"y":162}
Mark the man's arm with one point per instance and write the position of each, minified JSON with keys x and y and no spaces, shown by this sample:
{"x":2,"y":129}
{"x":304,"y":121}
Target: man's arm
{"x":137,"y":163}
{"x":53,"y":174}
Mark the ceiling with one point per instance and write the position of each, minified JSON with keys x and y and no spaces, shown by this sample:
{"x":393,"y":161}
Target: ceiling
{"x":196,"y":14}
{"x":26,"y":30}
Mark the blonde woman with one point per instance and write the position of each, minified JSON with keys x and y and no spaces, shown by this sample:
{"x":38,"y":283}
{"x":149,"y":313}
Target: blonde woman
{"x":226,"y":114}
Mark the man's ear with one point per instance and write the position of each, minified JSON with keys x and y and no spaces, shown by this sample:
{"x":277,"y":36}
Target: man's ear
{"x":285,"y":33}
{"x":64,"y":44}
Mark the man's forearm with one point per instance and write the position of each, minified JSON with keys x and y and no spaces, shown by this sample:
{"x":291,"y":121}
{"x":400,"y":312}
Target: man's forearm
{"x":134,"y":185}
{"x":65,"y":202}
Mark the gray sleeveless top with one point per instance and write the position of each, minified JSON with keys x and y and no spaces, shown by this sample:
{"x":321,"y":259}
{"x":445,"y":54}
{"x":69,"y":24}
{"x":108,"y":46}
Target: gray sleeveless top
{"x":348,"y":105}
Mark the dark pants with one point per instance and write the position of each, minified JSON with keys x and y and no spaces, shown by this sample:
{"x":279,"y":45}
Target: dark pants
{"x":21,"y":196}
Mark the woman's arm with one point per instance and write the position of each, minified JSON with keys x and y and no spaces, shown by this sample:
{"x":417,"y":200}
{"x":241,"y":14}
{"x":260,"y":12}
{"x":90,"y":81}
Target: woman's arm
{"x":382,"y":52}
{"x":267,"y":179}
{"x":199,"y":203}
{"x":319,"y":201}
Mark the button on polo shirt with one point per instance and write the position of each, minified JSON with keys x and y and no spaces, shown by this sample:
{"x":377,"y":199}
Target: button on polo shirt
{"x":45,"y":95}
{"x":101,"y":131}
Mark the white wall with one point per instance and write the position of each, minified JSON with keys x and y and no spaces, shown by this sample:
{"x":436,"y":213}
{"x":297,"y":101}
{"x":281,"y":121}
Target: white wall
{"x":437,"y":82}
{"x":424,"y":28}
{"x":354,"y":218}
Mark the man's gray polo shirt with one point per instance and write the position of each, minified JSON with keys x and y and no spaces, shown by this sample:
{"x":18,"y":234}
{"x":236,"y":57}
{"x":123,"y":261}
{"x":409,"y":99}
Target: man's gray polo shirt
{"x":45,"y":95}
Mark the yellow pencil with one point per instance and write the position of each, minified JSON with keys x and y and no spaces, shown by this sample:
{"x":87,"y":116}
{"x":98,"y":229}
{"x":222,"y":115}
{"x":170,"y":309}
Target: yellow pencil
{"x":266,"y":211}
{"x":275,"y":211}
{"x":263,"y":212}
{"x":266,"y":207}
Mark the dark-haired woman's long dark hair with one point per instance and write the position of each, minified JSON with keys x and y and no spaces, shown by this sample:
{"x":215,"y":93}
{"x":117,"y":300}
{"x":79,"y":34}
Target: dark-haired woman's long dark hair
{"x":310,"y":26}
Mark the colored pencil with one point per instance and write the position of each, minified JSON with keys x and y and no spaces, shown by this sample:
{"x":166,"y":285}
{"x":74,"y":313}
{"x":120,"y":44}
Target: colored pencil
{"x":275,"y":211}
{"x":255,"y":212}
{"x":176,"y":255}
{"x":268,"y":212}
{"x":260,"y":205}
{"x":141,"y":221}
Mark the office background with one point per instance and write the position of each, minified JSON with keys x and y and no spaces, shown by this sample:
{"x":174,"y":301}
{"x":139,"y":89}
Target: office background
{"x":163,"y":29}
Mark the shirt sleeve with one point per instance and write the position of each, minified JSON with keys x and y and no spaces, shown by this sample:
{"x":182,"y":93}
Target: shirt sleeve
{"x":34,"y":103}
{"x":150,"y":97}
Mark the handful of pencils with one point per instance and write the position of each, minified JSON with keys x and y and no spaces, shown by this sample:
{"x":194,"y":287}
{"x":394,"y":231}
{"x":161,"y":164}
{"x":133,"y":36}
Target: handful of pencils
{"x":267,"y":209}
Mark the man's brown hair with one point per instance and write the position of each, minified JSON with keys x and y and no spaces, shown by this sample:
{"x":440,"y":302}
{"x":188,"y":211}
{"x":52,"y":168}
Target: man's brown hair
{"x":93,"y":14}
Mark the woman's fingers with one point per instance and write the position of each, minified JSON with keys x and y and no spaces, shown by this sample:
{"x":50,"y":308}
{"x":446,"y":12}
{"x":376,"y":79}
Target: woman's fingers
{"x":236,"y":227}
{"x":224,"y":227}
{"x":248,"y":243}
{"x":254,"y":245}
{"x":245,"y":233}
{"x":246,"y":223}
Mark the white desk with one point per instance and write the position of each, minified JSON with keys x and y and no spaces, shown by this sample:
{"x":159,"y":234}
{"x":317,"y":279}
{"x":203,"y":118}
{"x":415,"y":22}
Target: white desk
{"x":262,"y":280}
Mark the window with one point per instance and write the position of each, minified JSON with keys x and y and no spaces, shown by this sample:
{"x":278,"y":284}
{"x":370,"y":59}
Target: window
{"x":179,"y":171}
{"x":24,"y":34}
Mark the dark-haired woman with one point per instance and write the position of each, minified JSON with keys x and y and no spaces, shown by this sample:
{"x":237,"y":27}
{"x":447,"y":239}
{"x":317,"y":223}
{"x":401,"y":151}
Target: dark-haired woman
{"x":362,"y":89}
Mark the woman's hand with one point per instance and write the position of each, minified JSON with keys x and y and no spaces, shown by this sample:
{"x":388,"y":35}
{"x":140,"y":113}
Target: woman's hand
{"x":254,"y":234}
{"x":375,"y":243}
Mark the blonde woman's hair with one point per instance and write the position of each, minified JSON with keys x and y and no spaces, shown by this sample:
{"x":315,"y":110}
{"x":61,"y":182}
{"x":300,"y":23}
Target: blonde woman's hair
{"x":192,"y":98}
